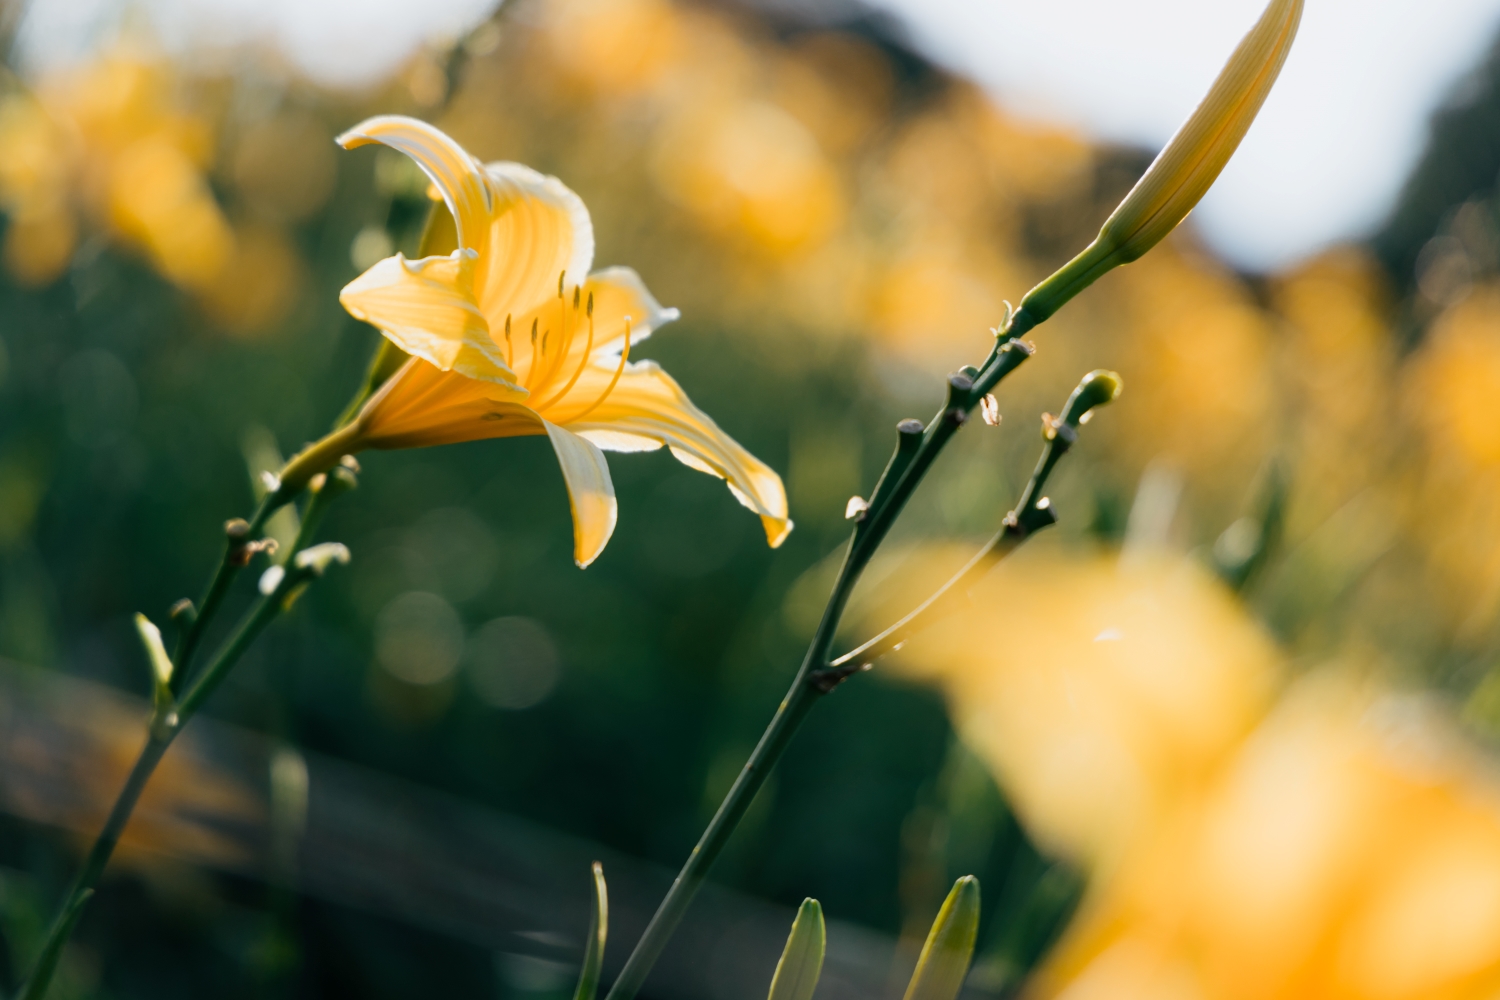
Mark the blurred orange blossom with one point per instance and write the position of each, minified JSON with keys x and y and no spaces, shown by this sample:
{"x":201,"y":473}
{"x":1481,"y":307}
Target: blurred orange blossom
{"x":1341,"y":842}
{"x":109,"y":136}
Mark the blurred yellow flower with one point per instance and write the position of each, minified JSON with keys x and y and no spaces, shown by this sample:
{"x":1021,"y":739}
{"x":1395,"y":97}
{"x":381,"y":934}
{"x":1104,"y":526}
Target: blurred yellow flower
{"x":613,"y":46}
{"x":1101,"y":695}
{"x":748,"y":166}
{"x":1342,"y":844}
{"x":1351,"y":849}
{"x":35,"y":172}
{"x":107,"y":139}
{"x":510,"y":336}
{"x":1187,"y":167}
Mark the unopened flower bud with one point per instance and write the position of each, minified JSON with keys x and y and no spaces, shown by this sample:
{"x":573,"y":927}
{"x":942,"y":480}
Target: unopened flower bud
{"x":1180,"y":176}
{"x":1098,"y":388}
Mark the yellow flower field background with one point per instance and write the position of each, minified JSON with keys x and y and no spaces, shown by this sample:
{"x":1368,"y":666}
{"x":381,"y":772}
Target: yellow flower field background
{"x":1227,"y":731}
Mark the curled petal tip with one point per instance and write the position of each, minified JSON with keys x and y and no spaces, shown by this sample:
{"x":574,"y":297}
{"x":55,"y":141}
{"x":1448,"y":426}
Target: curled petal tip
{"x":353,"y":139}
{"x":776,"y":530}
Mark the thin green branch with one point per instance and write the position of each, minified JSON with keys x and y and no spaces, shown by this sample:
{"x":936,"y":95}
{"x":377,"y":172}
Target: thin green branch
{"x":170,"y":716}
{"x":899,"y":482}
{"x":1032,"y":513}
{"x":238,"y":536}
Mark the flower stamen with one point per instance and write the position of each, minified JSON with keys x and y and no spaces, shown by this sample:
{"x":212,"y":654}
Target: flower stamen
{"x":624,"y":356}
{"x":531,"y":362}
{"x":583,"y":362}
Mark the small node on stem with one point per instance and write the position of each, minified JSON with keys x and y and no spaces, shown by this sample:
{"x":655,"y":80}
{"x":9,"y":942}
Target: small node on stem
{"x":183,"y":613}
{"x":350,"y":462}
{"x":1098,"y":388}
{"x":1059,"y":430}
{"x":828,"y":678}
{"x":960,"y":385}
{"x":855,"y":509}
{"x":909,"y":434}
{"x":237,"y":531}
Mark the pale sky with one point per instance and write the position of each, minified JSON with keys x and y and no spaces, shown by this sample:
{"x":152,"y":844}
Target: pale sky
{"x":1327,"y":157}
{"x":1324,"y":162}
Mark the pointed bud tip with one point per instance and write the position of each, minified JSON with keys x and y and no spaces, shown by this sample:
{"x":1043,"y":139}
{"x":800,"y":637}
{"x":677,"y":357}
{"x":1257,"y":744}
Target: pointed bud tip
{"x":1098,"y":388}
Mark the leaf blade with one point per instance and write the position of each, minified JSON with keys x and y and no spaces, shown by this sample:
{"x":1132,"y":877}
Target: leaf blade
{"x":801,"y":961}
{"x":949,"y":949}
{"x":161,"y":663}
{"x":593,"y":956}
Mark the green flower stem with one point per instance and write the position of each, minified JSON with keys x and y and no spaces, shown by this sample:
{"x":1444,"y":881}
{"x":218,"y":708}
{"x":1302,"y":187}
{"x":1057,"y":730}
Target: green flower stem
{"x":83,"y":887}
{"x":229,"y":566}
{"x":814,"y":679}
{"x":166,"y":722}
{"x":1032,"y":513}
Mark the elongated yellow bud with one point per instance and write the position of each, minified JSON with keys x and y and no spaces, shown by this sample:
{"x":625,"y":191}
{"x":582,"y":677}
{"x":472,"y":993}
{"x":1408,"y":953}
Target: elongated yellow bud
{"x":1185,"y":169}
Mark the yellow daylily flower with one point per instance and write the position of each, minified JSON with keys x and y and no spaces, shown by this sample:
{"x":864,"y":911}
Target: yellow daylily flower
{"x":1183,"y":172}
{"x":510,"y":335}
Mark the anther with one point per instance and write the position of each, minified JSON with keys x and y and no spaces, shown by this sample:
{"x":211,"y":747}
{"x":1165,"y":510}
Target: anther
{"x":591,"y":305}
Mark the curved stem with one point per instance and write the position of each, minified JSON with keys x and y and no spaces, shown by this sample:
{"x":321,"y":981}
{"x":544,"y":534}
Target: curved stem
{"x":808,"y":686}
{"x":93,"y":866}
{"x":166,"y":722}
{"x":229,"y":566}
{"x":165,"y":725}
{"x":320,"y":456}
{"x":1032,"y":513}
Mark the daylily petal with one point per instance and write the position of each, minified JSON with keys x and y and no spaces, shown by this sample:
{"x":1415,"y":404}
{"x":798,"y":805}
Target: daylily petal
{"x":537,"y":230}
{"x":427,"y":308}
{"x":422,"y":405}
{"x":458,"y":176}
{"x":619,"y":293}
{"x":590,"y":492}
{"x":647,"y":405}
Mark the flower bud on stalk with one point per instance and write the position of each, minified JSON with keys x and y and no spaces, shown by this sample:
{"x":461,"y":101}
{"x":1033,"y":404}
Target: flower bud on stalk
{"x":1179,"y":177}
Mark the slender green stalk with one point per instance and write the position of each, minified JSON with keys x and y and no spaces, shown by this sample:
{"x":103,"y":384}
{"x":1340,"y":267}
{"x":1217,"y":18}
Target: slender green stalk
{"x":165,"y":725}
{"x":814,"y":679}
{"x":93,"y":866}
{"x":167,"y":721}
{"x":1032,"y":513}
{"x":233,"y":560}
